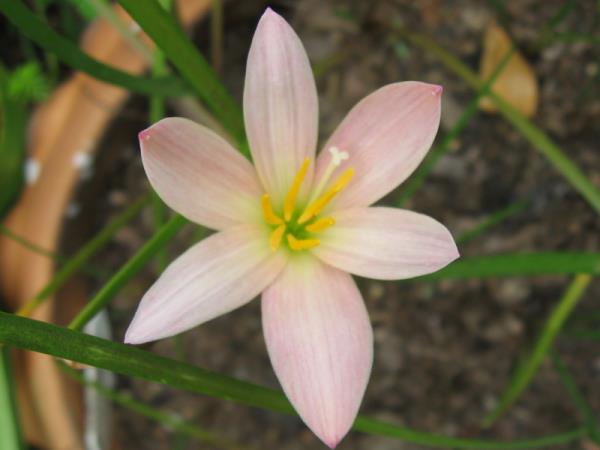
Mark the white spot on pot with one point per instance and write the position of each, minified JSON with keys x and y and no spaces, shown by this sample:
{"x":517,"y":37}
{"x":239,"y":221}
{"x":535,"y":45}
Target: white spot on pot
{"x":32,"y":170}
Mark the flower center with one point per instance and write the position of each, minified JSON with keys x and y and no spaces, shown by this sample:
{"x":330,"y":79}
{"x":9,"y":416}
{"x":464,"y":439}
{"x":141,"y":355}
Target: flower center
{"x":298,"y":228}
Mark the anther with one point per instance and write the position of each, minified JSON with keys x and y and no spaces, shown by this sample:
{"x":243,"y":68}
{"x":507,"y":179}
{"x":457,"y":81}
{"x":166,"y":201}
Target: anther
{"x":301,"y":244}
{"x":320,"y":224}
{"x":270,"y":216}
{"x":276,"y":237}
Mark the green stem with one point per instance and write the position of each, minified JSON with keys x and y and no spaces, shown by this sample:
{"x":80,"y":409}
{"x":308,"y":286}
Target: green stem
{"x":168,"y":420}
{"x":83,"y":255}
{"x":68,"y":344}
{"x":168,"y":36}
{"x":39,"y":32}
{"x":534,"y":135}
{"x":127,"y":272}
{"x":492,"y":220}
{"x":425,"y":168}
{"x":10,"y":435}
{"x":528,"y":368}
{"x":576,"y":396}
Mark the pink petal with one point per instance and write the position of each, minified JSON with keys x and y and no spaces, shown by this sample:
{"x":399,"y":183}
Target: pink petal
{"x":217,"y":275}
{"x":320,"y":343}
{"x":280,"y":104}
{"x":198,"y":174}
{"x":386,"y":243}
{"x":386,"y":134}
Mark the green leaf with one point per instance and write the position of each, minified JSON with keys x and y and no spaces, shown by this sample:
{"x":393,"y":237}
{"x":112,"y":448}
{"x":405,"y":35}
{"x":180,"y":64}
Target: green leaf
{"x":128,"y":271}
{"x":492,"y":220}
{"x":540,"y":140}
{"x":576,"y":396}
{"x":71,"y":345}
{"x":13,"y":121}
{"x":39,"y":32}
{"x":170,"y":38}
{"x":520,"y":265}
{"x":27,"y":83}
{"x":167,"y":419}
{"x":528,"y":368}
{"x":425,"y":168}
{"x":10,"y":435}
{"x":83,"y":255}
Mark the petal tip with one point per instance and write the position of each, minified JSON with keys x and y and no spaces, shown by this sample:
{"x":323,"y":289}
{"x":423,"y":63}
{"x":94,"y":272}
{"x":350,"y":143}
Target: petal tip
{"x":270,"y":14}
{"x":332,"y":443}
{"x":130,"y":336}
{"x":144,"y":135}
{"x":437,"y":90}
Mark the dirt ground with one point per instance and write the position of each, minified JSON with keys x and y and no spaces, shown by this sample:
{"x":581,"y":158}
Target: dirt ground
{"x":444,"y":350}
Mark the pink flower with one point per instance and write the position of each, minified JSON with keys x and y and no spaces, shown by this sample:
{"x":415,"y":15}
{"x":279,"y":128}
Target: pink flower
{"x":294,"y":230}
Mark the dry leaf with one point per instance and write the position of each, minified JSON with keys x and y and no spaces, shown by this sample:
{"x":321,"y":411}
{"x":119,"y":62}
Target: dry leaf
{"x":517,"y":83}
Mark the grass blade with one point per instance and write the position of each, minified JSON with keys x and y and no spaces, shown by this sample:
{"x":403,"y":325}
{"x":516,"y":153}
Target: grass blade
{"x":128,"y":271}
{"x":534,"y":135}
{"x":168,"y":420}
{"x":10,"y":435}
{"x":169,"y":37}
{"x":576,"y":396}
{"x":492,"y":220}
{"x":71,"y":345}
{"x":39,"y":32}
{"x":418,"y":178}
{"x":82,"y":256}
{"x":527,"y":369}
{"x":520,"y":265}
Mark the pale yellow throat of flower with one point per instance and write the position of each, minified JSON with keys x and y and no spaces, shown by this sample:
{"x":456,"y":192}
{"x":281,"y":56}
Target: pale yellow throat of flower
{"x":299,"y":228}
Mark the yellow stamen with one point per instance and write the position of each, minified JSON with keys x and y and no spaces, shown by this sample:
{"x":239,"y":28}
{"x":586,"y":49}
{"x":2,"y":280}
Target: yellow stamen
{"x":276,"y":237}
{"x":301,"y":244}
{"x":290,"y":198}
{"x":315,"y":207}
{"x":270,"y":216}
{"x":320,"y":224}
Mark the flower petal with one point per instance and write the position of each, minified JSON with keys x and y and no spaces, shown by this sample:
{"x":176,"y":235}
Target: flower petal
{"x":386,"y":134}
{"x":386,"y":243}
{"x":320,"y":343}
{"x":198,"y":174}
{"x":217,"y":275}
{"x":280,"y":105}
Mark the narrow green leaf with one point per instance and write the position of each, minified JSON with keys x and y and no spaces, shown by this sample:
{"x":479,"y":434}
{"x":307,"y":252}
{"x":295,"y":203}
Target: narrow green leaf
{"x":83,"y":255}
{"x":170,"y":38}
{"x":10,"y":431}
{"x":520,"y":265}
{"x":13,"y":122}
{"x":492,"y":220}
{"x":577,"y":397}
{"x":528,"y":368}
{"x":168,"y":420}
{"x":418,"y":178}
{"x":128,"y":271}
{"x":68,"y":344}
{"x":534,"y":135}
{"x":39,"y":32}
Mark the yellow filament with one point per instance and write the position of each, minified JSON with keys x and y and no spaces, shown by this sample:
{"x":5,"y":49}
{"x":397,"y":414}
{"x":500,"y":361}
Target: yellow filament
{"x":270,"y":216}
{"x":301,"y":244}
{"x":320,"y":224}
{"x":290,"y":198}
{"x":315,"y":207}
{"x":276,"y":237}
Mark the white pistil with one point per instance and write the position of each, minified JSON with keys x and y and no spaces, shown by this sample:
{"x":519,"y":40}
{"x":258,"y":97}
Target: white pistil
{"x":337,"y":157}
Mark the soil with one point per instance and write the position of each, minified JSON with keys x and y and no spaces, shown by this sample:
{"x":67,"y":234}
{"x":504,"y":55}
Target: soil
{"x":444,"y":351}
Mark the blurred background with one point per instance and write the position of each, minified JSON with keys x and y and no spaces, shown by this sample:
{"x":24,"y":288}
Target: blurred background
{"x":70,"y":173}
